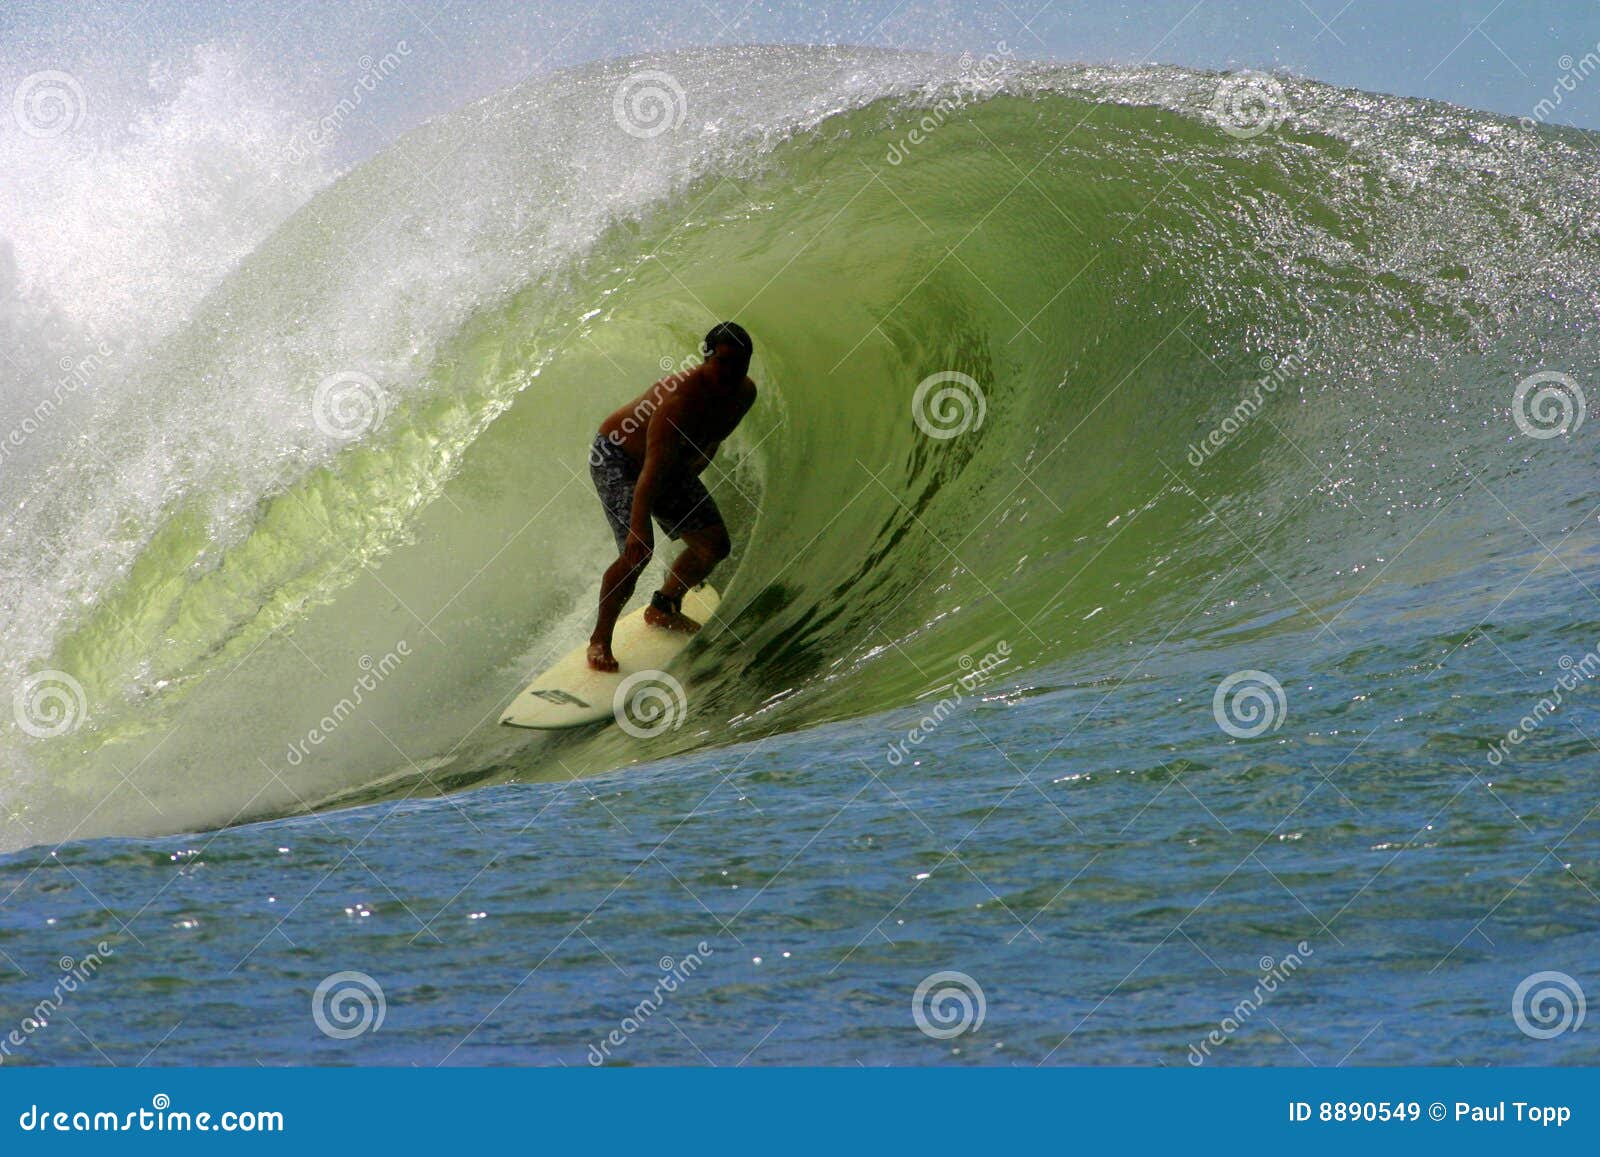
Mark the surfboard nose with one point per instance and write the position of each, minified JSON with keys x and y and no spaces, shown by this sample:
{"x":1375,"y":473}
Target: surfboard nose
{"x":570,"y":693}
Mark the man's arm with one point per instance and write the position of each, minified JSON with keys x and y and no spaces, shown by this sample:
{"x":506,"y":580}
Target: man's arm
{"x":662,"y":447}
{"x":700,"y":457}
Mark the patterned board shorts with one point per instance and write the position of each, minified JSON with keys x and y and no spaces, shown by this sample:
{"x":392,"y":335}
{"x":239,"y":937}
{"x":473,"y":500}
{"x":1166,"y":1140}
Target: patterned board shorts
{"x":682,"y":502}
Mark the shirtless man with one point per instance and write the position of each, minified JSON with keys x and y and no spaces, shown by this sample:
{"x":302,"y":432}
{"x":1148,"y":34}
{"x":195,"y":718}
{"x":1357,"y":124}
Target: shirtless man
{"x":646,"y":461}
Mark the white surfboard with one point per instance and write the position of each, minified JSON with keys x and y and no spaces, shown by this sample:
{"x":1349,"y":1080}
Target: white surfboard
{"x":571,"y":694}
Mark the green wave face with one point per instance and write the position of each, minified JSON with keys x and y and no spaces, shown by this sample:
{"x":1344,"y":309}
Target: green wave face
{"x":1057,"y":373}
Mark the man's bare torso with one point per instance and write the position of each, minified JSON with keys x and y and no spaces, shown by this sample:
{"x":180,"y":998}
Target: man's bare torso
{"x":702,"y":411}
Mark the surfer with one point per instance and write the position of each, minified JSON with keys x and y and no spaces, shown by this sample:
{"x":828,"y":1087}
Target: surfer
{"x":646,"y":461}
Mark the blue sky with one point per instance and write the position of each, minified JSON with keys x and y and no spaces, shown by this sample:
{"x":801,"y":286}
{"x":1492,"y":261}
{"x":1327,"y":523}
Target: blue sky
{"x":1504,"y":57}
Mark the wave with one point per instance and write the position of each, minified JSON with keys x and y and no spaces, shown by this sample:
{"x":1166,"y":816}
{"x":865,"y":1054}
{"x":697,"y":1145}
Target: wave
{"x":1063,"y":364}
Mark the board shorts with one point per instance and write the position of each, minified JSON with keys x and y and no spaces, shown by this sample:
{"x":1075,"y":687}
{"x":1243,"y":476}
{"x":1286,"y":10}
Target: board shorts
{"x":682,"y":502}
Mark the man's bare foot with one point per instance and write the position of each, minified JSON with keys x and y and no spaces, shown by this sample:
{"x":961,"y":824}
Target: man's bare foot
{"x":601,"y":658}
{"x":670,"y":620}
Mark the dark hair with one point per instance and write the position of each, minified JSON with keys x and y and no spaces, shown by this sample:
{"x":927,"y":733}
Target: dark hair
{"x":728,"y":333}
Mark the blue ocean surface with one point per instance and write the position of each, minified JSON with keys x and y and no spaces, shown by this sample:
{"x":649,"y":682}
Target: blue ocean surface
{"x":1103,"y":903}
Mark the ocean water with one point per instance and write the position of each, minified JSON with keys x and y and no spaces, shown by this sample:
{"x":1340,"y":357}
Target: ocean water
{"x":1160,"y":627}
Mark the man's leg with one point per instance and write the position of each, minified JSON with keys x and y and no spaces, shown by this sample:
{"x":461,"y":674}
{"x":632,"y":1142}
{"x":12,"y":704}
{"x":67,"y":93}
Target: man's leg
{"x":613,"y":483}
{"x":702,"y":550}
{"x":616,"y":588}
